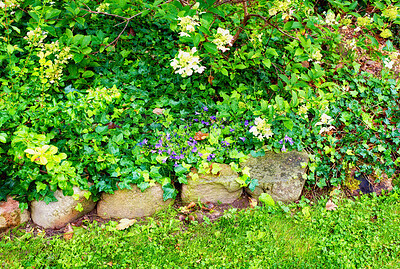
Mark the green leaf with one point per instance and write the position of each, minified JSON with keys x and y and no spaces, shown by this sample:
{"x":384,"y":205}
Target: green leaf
{"x":143,"y":185}
{"x":88,"y":74}
{"x":196,"y":39}
{"x":259,"y":153}
{"x":169,"y":191}
{"x":180,"y":170}
{"x":101,"y":129}
{"x":86,"y":40}
{"x":288,"y":123}
{"x":78,"y":57}
{"x":253,"y":184}
{"x":34,"y":16}
{"x":210,"y":47}
{"x":266,"y":199}
{"x":224,"y":71}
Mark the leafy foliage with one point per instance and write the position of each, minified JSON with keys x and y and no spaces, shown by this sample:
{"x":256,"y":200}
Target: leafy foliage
{"x":141,"y":92}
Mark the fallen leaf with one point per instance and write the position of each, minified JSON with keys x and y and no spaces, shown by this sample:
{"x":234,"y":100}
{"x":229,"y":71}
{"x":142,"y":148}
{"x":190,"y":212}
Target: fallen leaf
{"x":200,"y":136}
{"x":68,"y":232}
{"x":192,"y":204}
{"x":253,"y":202}
{"x":158,"y":111}
{"x":110,"y":264}
{"x":330,"y":206}
{"x":125,"y":223}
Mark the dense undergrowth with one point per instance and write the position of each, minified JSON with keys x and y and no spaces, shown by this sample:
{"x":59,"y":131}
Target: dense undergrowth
{"x":361,"y":233}
{"x":133,"y":92}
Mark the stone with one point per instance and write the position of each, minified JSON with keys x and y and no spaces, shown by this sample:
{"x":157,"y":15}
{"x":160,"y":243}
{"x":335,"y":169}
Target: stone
{"x":11,"y":215}
{"x":222,"y":187}
{"x":278,"y":174}
{"x":128,"y":204}
{"x":58,"y":214}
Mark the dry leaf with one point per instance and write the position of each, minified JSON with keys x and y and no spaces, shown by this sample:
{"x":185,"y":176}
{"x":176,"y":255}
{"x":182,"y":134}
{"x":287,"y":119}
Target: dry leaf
{"x":305,"y":64}
{"x":125,"y":223}
{"x":200,"y":136}
{"x":330,"y":206}
{"x":192,"y":204}
{"x":253,"y":202}
{"x":158,"y":111}
{"x":68,"y":232}
{"x":110,"y":263}
{"x":210,"y":79}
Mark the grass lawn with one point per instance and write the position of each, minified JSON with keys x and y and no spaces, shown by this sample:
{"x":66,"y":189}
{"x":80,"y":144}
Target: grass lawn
{"x":359,"y":234}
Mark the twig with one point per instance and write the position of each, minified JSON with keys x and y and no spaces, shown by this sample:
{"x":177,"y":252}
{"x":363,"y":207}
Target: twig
{"x":127,"y":20}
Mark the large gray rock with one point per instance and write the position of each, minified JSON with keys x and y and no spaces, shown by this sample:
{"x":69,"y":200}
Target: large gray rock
{"x":58,"y":214}
{"x":278,"y":174}
{"x":11,"y":215}
{"x":127,"y":204}
{"x":221,"y":187}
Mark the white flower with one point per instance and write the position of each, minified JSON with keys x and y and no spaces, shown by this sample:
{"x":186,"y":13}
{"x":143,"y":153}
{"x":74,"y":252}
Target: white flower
{"x":188,"y":24}
{"x":326,"y":129}
{"x":262,"y":129}
{"x":330,"y":18}
{"x":325,"y":119}
{"x":185,"y":63}
{"x":388,"y":63}
{"x":222,"y":38}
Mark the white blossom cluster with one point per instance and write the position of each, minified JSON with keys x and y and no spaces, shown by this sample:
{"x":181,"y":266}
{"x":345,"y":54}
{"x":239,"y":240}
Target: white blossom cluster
{"x":185,"y":63}
{"x":330,"y":18}
{"x":325,"y":120}
{"x":53,"y":68}
{"x":388,"y":63}
{"x":8,"y":4}
{"x":261,"y":129}
{"x":280,"y":6}
{"x":36,"y":37}
{"x":222,"y":38}
{"x":102,"y":7}
{"x":188,"y":24}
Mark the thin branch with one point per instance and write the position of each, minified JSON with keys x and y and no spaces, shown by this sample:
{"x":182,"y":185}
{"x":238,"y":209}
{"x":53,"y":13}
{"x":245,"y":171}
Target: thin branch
{"x":127,"y":20}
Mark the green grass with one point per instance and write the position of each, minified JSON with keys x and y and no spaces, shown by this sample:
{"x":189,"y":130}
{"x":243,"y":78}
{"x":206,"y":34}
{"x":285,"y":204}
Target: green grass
{"x":359,"y":234}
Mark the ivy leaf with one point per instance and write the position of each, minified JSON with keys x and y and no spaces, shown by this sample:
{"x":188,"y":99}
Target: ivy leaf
{"x":253,"y":184}
{"x":169,"y":191}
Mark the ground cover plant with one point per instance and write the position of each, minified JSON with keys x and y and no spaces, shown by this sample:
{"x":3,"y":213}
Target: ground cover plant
{"x":105,"y":95}
{"x":331,"y":232}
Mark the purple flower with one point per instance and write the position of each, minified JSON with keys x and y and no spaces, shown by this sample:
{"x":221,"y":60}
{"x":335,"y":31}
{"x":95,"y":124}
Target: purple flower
{"x":194,"y":149}
{"x":164,"y":160}
{"x":213,"y":117}
{"x":246,"y":122}
{"x":193,"y":143}
{"x":196,"y":120}
{"x":242,"y":138}
{"x":159,"y":144}
{"x":205,"y":108}
{"x":231,"y":130}
{"x":197,"y":113}
{"x":200,"y":154}
{"x":283,"y":148}
{"x":205,"y":122}
{"x":210,"y":157}
{"x":176,"y":164}
{"x":225,"y":143}
{"x":288,"y":139}
{"x":159,"y":151}
{"x":143,"y":142}
{"x":281,"y":141}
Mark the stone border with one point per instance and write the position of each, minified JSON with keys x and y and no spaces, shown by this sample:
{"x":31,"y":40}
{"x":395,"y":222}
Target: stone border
{"x":278,"y":174}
